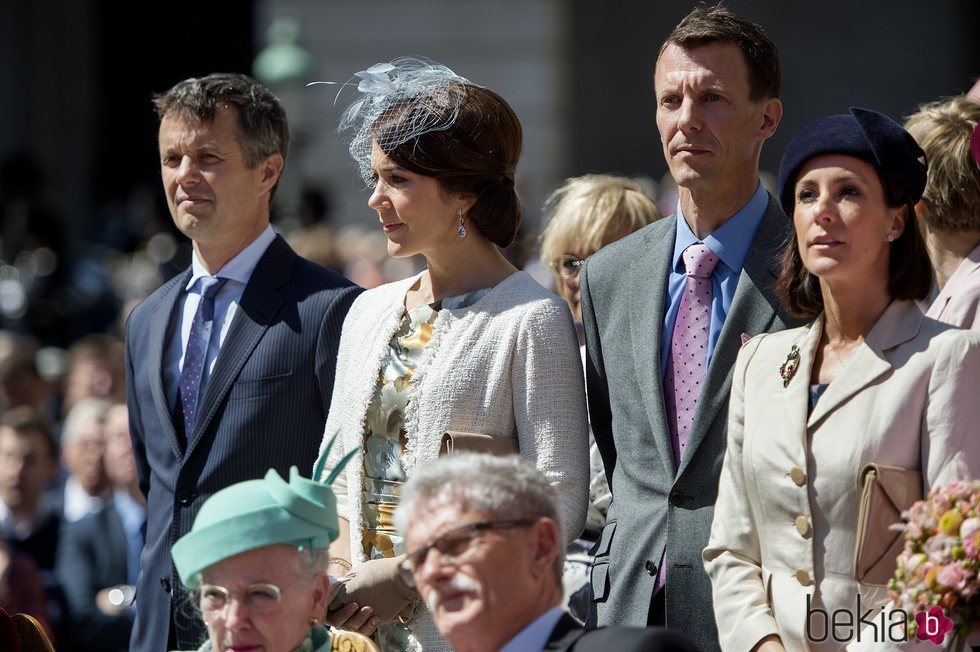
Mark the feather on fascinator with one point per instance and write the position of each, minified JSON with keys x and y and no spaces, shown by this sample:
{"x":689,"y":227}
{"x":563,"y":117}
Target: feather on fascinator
{"x":398,"y":102}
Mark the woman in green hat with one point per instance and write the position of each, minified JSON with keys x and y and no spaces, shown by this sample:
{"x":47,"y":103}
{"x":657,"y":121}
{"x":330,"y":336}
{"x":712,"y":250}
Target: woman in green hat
{"x":256,"y":557}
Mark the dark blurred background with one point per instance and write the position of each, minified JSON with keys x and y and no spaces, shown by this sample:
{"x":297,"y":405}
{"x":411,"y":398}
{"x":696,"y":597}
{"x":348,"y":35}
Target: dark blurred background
{"x":84,"y":226}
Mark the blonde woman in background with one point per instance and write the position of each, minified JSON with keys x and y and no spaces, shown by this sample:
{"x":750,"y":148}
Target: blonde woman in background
{"x":587,"y":213}
{"x":949,"y":211}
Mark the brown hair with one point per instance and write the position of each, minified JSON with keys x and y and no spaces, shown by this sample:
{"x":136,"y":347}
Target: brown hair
{"x":909,"y":269}
{"x":706,"y":25}
{"x":26,"y":420}
{"x":476,"y":156}
{"x":262,"y":126}
{"x":943,"y":130}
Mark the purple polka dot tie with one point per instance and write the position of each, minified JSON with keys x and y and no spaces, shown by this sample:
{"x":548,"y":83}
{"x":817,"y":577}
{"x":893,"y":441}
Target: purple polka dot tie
{"x":193,"y":375}
{"x":689,"y":347}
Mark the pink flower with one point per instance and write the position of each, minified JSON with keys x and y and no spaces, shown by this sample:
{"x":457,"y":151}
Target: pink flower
{"x":954,"y":577}
{"x":969,"y":526}
{"x":972,"y":546}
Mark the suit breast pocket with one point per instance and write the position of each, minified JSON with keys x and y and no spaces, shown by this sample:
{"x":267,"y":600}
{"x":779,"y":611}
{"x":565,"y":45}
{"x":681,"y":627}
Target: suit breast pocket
{"x":251,"y":388}
{"x":600,"y":565}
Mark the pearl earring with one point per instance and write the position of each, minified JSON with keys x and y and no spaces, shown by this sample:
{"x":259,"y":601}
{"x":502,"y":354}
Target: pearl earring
{"x":890,"y":237}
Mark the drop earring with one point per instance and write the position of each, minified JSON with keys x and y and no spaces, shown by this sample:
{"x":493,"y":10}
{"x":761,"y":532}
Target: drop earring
{"x":461,"y":231}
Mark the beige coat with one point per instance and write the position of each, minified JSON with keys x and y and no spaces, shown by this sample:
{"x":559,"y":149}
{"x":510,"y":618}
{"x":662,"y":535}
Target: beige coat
{"x":785,"y":521}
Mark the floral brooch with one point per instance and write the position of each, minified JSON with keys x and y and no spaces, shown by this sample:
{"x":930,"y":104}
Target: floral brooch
{"x":788,"y":369}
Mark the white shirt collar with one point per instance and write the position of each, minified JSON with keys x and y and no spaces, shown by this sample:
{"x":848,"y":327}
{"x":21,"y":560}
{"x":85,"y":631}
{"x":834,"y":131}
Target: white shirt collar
{"x":240,"y":267}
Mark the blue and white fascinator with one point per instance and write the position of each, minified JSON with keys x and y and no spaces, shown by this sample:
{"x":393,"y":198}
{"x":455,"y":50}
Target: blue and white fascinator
{"x":398,"y":102}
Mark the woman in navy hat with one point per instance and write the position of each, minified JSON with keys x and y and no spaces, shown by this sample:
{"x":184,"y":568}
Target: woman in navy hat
{"x":256,"y":560}
{"x":870,"y":380}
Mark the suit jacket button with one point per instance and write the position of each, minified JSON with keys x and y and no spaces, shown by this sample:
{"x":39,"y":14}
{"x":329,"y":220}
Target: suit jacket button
{"x":651,"y":568}
{"x":802,"y":577}
{"x":676,"y":497}
{"x":184,"y":497}
{"x":165,"y":583}
{"x":802,"y":526}
{"x":798,"y":476}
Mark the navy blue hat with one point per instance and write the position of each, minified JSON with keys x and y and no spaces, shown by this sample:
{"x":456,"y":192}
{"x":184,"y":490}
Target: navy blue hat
{"x":864,"y":134}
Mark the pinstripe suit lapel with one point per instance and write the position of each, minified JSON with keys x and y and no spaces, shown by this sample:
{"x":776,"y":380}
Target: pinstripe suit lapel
{"x":260,"y":303}
{"x":159,"y":337}
{"x":753,"y":311}
{"x":649,"y":291}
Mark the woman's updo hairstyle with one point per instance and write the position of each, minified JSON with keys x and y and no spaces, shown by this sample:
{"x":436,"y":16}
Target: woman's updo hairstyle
{"x":433,"y":122}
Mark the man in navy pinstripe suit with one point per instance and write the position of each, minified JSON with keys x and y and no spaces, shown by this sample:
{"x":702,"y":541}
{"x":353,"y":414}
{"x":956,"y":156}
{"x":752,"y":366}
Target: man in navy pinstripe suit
{"x":257,"y":326}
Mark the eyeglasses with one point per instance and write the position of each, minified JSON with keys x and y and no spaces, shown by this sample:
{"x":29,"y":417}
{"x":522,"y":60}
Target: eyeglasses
{"x":453,"y":545}
{"x":260,"y":596}
{"x":567,"y":265}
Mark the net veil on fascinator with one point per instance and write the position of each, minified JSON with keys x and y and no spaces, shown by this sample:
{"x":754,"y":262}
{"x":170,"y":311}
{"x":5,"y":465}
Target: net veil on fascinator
{"x":398,"y":102}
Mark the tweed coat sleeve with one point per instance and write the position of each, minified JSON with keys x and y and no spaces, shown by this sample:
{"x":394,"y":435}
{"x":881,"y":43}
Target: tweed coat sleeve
{"x":550,"y":407}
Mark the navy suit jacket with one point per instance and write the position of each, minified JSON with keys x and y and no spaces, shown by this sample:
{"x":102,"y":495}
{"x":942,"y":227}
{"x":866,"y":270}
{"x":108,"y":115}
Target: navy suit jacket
{"x":569,"y":636}
{"x":92,"y":555}
{"x":264,"y":407}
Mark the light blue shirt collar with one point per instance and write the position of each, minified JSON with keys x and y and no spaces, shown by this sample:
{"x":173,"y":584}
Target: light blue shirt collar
{"x":131,"y":513}
{"x":240,"y":267}
{"x":731,"y":241}
{"x":533,"y":637}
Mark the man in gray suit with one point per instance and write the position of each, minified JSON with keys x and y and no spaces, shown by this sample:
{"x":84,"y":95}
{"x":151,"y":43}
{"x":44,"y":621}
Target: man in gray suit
{"x":662,"y":333}
{"x":229,"y":366}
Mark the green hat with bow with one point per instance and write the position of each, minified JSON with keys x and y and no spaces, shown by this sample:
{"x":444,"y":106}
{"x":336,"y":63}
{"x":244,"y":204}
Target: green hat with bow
{"x":257,"y":513}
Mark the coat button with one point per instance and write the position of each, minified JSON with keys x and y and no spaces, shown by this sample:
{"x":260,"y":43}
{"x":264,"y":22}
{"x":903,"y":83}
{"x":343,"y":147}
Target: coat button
{"x":798,"y":476}
{"x":165,"y":583}
{"x":651,"y":568}
{"x":802,"y":526}
{"x":184,"y":497}
{"x":676,"y":497}
{"x":802,"y":577}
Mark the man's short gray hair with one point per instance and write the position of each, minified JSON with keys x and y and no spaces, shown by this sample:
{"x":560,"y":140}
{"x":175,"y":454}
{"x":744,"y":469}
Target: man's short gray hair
{"x":503,"y":487}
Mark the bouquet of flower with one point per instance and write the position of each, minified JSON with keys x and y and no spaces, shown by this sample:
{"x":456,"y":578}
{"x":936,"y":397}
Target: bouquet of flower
{"x":940,"y":565}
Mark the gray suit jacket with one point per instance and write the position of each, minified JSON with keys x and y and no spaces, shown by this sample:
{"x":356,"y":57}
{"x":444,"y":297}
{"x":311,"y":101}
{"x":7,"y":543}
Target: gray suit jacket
{"x":624,"y":298}
{"x":263,"y":408}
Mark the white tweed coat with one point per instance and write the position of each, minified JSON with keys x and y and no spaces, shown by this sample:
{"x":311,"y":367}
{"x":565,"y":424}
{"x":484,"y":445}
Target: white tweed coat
{"x":507,"y":365}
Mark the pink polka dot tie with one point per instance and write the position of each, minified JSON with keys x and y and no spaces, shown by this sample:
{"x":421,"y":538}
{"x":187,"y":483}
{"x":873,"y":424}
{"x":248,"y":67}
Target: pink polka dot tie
{"x":689,"y":347}
{"x":193,"y":375}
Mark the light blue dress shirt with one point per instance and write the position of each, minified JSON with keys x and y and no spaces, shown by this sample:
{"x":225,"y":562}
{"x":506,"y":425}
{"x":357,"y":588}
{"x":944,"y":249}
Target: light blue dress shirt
{"x":133,"y":517}
{"x":533,"y":637}
{"x":731,"y":242}
{"x":238,"y":271}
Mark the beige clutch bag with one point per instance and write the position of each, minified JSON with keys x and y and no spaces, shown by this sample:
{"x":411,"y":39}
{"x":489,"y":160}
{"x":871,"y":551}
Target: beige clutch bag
{"x":473,"y":442}
{"x":887,"y":492}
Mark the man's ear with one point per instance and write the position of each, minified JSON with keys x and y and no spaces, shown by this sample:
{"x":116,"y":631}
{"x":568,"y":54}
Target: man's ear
{"x":271,"y":169}
{"x":547,"y":541}
{"x":772,"y":113}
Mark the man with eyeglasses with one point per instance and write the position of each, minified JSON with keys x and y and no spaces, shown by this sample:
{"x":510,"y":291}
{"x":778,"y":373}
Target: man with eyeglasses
{"x":485,"y":550}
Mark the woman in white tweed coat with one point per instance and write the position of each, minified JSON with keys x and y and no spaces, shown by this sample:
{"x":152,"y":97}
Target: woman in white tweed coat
{"x":470,"y":344}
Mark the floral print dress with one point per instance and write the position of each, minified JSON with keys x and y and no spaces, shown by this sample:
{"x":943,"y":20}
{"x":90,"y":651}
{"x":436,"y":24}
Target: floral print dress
{"x":385,"y":440}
